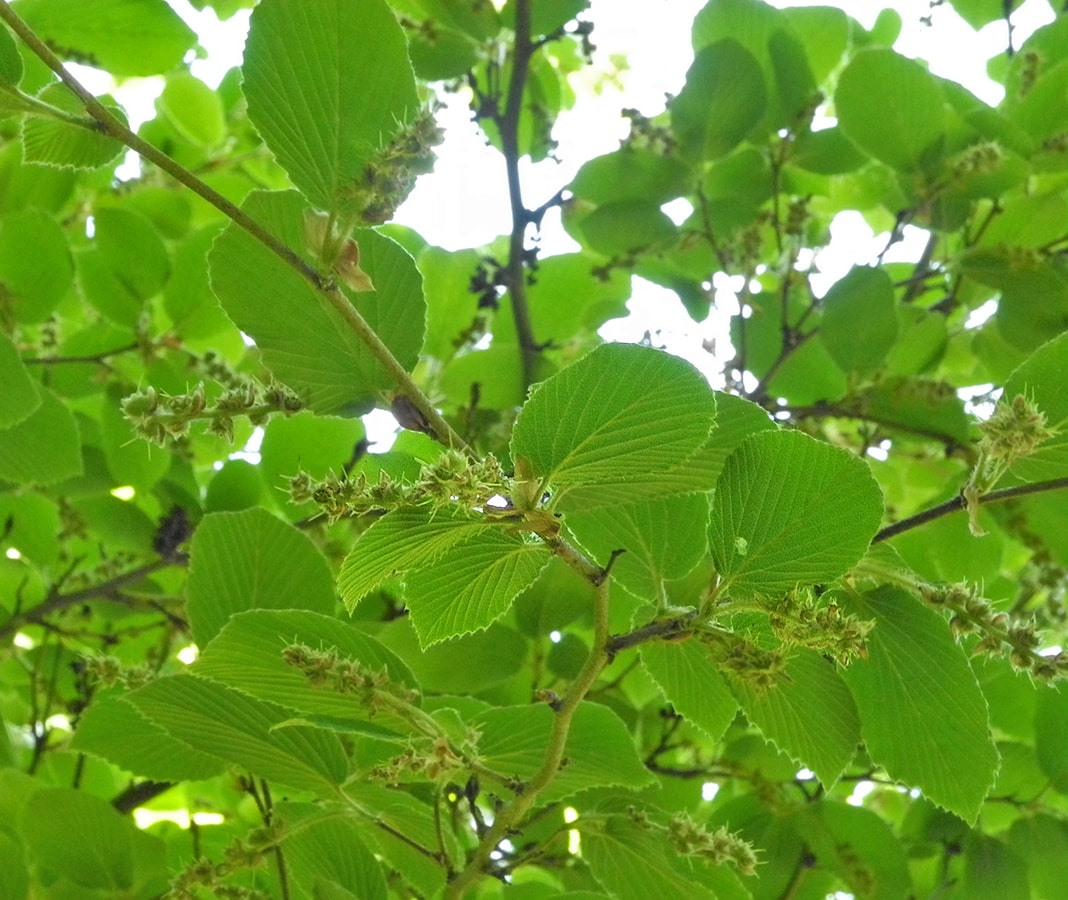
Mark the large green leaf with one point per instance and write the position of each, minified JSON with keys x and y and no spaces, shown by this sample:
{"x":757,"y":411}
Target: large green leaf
{"x":472,"y":584}
{"x":891,"y":107}
{"x":43,"y":448}
{"x":194,"y":109}
{"x":923,"y":716}
{"x":807,"y":713}
{"x":328,"y":854}
{"x":661,"y":539}
{"x":113,"y":729}
{"x":790,"y":510}
{"x":860,"y":319}
{"x":123,"y":37}
{"x":328,"y":84}
{"x":623,"y":413}
{"x":55,"y":141}
{"x":304,"y":341}
{"x":692,"y":683}
{"x":1043,"y":378}
{"x":246,"y":732}
{"x":19,"y":397}
{"x":252,"y":560}
{"x":1051,"y":732}
{"x":248,"y":655}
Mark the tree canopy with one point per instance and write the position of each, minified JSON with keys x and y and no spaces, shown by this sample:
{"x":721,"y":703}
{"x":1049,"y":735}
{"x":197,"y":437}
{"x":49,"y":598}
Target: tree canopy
{"x":589,"y":627}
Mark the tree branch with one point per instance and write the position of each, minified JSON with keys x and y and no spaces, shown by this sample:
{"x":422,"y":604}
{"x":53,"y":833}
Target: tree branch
{"x":957,"y":504}
{"x":103,"y":122}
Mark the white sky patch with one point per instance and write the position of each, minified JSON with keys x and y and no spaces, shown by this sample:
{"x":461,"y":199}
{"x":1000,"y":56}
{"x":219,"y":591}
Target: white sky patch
{"x":12,"y":553}
{"x":709,"y":790}
{"x":981,"y":314}
{"x":862,"y":789}
{"x":188,"y":654}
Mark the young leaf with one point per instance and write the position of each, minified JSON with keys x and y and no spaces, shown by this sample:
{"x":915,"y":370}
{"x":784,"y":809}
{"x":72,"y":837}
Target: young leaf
{"x":691,"y":683}
{"x":246,"y":732}
{"x":471,"y":585}
{"x":250,"y":560}
{"x":622,"y":413}
{"x":304,"y":342}
{"x":790,"y":510}
{"x":923,"y":716}
{"x":808,"y":713}
{"x":35,"y":264}
{"x":860,"y":320}
{"x":328,"y":84}
{"x":56,"y":142}
{"x":19,"y":397}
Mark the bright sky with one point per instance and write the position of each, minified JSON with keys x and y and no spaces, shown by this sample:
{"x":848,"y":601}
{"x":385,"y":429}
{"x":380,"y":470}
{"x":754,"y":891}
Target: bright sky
{"x":461,"y":204}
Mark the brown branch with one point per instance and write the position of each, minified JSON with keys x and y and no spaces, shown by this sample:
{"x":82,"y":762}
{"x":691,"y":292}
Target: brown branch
{"x":957,"y":504}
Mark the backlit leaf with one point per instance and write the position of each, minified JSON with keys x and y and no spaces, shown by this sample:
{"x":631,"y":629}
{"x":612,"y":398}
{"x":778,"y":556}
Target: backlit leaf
{"x":692,"y":683}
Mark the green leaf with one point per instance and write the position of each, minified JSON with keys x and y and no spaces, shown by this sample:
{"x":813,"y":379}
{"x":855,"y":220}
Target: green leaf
{"x":94,"y":848}
{"x":57,"y":142}
{"x":905,"y":125}
{"x":19,"y":397}
{"x":623,"y":413}
{"x":245,"y":732}
{"x":808,"y":713}
{"x":625,"y":226}
{"x":247,"y":654}
{"x":661,"y":540}
{"x":10,"y":60}
{"x":113,"y":729}
{"x":631,"y":174}
{"x":1051,"y":733}
{"x":1043,"y":378}
{"x":403,"y":540}
{"x":123,"y":37}
{"x":691,"y":683}
{"x":36,"y":270}
{"x":860,"y":320}
{"x":600,"y":751}
{"x":790,"y":510}
{"x":992,"y":871}
{"x":330,"y":852}
{"x":304,"y":341}
{"x":923,"y":716}
{"x":1042,"y":841}
{"x":251,"y":560}
{"x":471,"y":584}
{"x":31,"y":523}
{"x":236,"y":486}
{"x":130,"y":459}
{"x":636,"y":863}
{"x":42,"y":448}
{"x":328,"y":84}
{"x":194,"y":110}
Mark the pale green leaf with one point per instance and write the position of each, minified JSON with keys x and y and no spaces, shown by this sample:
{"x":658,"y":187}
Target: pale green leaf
{"x":19,"y":397}
{"x":194,"y":109}
{"x":244,"y":731}
{"x":860,"y":319}
{"x":1051,"y":734}
{"x":691,"y":683}
{"x":636,"y":863}
{"x":42,"y":448}
{"x":247,"y":654}
{"x":57,"y":142}
{"x":661,"y":539}
{"x":625,"y":226}
{"x":992,"y":871}
{"x":303,"y":340}
{"x":923,"y":716}
{"x":403,"y":540}
{"x":623,"y":413}
{"x":891,"y":108}
{"x":252,"y":560}
{"x":328,"y":84}
{"x":10,"y":60}
{"x":123,"y":37}
{"x":790,"y":510}
{"x":808,"y":713}
{"x":113,"y":729}
{"x":1043,"y":378}
{"x":471,"y":585}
